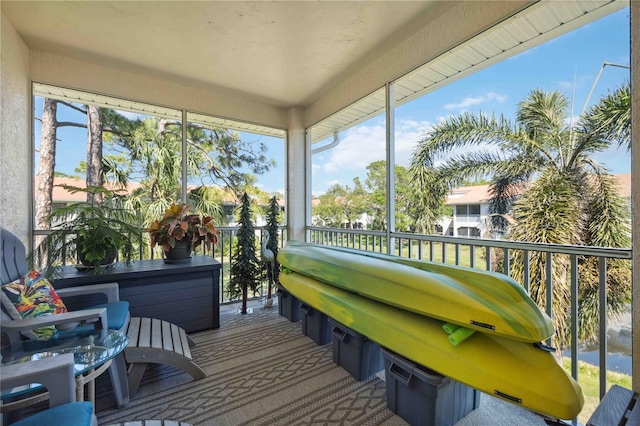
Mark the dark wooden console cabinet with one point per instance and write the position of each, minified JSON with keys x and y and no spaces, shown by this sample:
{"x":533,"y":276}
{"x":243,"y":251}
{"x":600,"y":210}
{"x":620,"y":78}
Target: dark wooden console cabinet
{"x":186,"y":294}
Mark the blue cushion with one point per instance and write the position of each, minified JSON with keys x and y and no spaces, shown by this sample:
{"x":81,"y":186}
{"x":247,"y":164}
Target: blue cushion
{"x":73,"y":414}
{"x":116,"y":315}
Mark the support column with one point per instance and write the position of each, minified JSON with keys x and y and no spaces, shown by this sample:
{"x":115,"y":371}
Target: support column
{"x":298,"y":190}
{"x":635,"y":191}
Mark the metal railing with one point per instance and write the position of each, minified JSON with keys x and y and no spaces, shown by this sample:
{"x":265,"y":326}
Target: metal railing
{"x":471,"y":252}
{"x":481,"y":253}
{"x":222,"y":252}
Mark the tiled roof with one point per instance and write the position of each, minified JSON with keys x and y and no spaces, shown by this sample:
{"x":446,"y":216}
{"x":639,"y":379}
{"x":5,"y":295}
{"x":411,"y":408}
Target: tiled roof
{"x":60,"y":195}
{"x":480,"y":193}
{"x":624,"y":182}
{"x":469,"y":195}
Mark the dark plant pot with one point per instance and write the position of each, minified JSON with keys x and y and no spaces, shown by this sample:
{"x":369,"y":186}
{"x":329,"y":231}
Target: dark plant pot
{"x":181,"y":252}
{"x":112,"y":253}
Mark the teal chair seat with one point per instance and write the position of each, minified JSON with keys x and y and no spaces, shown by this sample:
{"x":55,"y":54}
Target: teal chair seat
{"x":70,"y":414}
{"x":117,"y":315}
{"x":57,"y":375}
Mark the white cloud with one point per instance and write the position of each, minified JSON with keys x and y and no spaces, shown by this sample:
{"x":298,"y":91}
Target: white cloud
{"x":330,"y":167}
{"x":358,"y":147}
{"x":572,"y":120}
{"x":408,"y":133}
{"x":477,"y":100}
{"x":330,"y":183}
{"x":365,"y":144}
{"x":564,"y":85}
{"x":580,"y":83}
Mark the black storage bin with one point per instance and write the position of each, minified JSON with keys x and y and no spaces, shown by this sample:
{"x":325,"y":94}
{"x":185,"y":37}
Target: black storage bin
{"x":315,"y":325}
{"x":355,"y":352}
{"x":423,"y":397}
{"x":288,"y":306}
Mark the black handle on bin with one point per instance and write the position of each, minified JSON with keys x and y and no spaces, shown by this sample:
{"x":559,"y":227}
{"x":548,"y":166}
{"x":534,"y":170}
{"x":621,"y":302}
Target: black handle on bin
{"x":339,"y":333}
{"x":281,"y":292}
{"x":305,"y":308}
{"x":400,"y":374}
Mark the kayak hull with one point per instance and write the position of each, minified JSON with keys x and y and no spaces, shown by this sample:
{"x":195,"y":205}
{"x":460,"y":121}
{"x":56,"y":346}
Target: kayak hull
{"x":484,"y":301}
{"x":515,"y":371}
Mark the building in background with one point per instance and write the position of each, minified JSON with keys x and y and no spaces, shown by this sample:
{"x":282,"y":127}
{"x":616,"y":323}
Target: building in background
{"x":62,"y":197}
{"x":471,"y":209}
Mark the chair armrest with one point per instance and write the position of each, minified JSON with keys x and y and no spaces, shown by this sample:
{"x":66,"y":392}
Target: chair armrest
{"x":85,"y":316}
{"x":111,"y":290}
{"x":55,"y":373}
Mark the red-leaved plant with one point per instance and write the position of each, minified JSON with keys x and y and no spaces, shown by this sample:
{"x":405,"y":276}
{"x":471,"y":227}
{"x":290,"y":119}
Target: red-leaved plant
{"x":178,"y":225}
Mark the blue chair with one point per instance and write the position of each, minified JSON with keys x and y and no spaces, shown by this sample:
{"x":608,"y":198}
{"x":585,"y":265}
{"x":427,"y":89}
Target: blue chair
{"x":113,"y":315}
{"x":57,"y":375}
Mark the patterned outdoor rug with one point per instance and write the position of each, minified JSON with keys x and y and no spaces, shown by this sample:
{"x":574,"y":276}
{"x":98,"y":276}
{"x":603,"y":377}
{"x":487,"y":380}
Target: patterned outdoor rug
{"x":261,"y":370}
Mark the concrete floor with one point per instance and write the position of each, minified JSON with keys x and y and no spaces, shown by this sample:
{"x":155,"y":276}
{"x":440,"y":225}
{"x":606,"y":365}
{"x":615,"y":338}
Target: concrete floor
{"x":495,"y":412}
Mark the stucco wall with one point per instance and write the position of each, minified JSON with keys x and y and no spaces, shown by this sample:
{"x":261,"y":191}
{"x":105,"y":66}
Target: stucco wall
{"x":76,"y":74}
{"x":15,"y":139}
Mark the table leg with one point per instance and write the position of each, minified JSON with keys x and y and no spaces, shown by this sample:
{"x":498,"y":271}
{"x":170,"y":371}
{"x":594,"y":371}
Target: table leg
{"x":89,"y":379}
{"x":91,"y":391}
{"x":80,"y":388}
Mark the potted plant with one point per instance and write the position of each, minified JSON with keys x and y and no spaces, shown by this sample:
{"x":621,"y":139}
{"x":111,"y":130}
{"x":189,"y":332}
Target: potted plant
{"x":95,"y":232}
{"x":179,"y":232}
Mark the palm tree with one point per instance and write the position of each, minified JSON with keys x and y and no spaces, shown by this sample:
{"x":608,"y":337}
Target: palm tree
{"x":543,"y":176}
{"x":611,"y":116}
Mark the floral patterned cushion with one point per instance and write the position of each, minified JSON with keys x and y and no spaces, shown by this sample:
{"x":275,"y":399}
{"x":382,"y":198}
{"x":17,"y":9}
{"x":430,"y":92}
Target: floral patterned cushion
{"x":30,"y":297}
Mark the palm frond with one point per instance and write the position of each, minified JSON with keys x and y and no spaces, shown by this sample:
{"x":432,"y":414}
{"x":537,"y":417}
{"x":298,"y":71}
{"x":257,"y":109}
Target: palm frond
{"x":618,"y":294}
{"x":460,"y":168}
{"x":463,"y":131}
{"x":504,"y":191}
{"x":428,"y":194}
{"x":609,"y":218}
{"x":543,"y":115}
{"x":587,"y":143}
{"x":548,"y":212}
{"x":610,"y":118}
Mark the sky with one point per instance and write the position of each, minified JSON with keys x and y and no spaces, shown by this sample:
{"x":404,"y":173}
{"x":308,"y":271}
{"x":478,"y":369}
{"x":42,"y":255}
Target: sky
{"x":568,"y":63}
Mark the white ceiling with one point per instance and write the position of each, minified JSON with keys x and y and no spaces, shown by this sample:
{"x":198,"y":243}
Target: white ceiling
{"x":284,"y":53}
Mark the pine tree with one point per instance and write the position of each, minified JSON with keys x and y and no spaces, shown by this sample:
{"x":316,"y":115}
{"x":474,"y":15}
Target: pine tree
{"x":245,"y":269}
{"x":272,"y":228}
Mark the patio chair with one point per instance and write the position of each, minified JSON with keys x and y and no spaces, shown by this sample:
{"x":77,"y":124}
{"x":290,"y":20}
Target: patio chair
{"x":113,"y":315}
{"x":57,"y":375}
{"x":617,"y":407}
